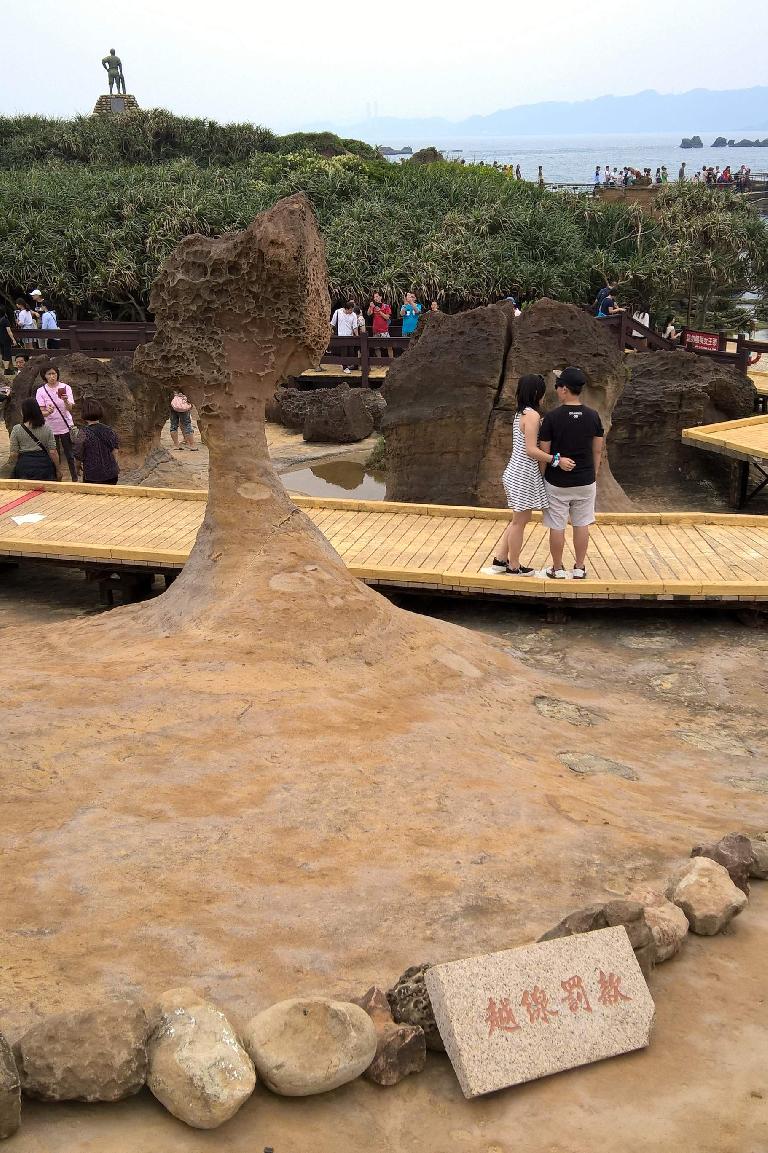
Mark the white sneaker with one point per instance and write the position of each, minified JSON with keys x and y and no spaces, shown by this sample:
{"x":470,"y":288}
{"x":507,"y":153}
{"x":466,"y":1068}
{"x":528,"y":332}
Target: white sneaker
{"x":348,"y":370}
{"x":579,"y":573}
{"x":558,"y":574}
{"x":496,"y":569}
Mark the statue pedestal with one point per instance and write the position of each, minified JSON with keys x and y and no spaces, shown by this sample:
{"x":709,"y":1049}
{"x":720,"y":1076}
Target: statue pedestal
{"x":111,"y":105}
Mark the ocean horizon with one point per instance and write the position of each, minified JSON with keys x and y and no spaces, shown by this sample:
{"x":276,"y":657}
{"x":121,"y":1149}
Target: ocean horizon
{"x":572,"y":159}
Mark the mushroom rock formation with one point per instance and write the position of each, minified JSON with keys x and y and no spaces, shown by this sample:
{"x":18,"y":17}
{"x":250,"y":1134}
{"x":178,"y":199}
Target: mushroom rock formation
{"x":270,"y":760}
{"x":235,"y":316}
{"x":451,"y":398}
{"x":133,"y":405}
{"x":665,"y":393}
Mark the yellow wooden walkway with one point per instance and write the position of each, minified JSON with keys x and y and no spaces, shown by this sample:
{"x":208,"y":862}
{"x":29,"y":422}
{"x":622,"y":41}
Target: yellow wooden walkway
{"x":745,"y":439}
{"x":658,"y":556}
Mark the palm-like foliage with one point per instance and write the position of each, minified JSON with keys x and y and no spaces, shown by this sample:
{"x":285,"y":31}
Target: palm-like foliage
{"x":94,"y":236}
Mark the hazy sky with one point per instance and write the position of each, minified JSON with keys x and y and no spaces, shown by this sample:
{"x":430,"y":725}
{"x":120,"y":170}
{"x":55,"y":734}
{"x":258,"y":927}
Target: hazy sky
{"x":297,"y":63}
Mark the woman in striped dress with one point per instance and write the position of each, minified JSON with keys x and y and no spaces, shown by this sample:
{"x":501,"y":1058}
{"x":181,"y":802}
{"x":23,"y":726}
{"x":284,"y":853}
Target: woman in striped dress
{"x":523,"y":481}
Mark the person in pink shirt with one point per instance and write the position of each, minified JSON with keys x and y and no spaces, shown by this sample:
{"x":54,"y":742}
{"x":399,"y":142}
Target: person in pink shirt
{"x":56,"y":403}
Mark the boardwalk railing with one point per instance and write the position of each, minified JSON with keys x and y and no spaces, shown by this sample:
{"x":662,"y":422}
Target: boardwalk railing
{"x":360,"y":353}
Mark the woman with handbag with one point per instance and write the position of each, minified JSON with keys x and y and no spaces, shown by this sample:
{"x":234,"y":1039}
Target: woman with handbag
{"x":180,"y":415}
{"x":33,"y":454}
{"x":56,"y":403}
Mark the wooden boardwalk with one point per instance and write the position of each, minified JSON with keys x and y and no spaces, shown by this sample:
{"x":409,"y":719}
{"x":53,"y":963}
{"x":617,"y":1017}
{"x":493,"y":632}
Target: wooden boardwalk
{"x":637,"y":557}
{"x":745,"y":442}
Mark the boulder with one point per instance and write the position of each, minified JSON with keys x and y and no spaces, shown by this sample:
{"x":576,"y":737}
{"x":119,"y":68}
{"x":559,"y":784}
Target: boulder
{"x":291,"y":407}
{"x":665,"y":393}
{"x":310,"y":1045}
{"x":410,"y":1005}
{"x":759,"y":844}
{"x":668,"y":924}
{"x":400,"y":1049}
{"x":706,"y":894}
{"x":734,"y":852}
{"x":440,"y":396}
{"x":134,"y":406}
{"x":99,"y":1054}
{"x":10,"y":1091}
{"x":628,"y":913}
{"x":547,"y":337}
{"x":451,"y":397}
{"x":338,"y":416}
{"x":197,"y":1067}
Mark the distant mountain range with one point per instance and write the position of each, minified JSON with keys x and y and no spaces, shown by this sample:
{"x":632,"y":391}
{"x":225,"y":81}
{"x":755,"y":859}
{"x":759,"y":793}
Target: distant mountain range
{"x":698,"y":111}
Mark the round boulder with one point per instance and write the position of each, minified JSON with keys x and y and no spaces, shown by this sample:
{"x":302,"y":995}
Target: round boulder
{"x":310,"y":1045}
{"x":197,"y":1067}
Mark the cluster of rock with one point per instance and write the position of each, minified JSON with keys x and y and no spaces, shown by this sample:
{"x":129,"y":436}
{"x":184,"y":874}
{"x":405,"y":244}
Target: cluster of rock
{"x":338,"y":415}
{"x":203,"y":1067}
{"x":450,"y":405}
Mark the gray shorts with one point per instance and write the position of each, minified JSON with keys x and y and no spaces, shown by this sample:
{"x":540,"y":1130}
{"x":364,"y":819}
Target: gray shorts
{"x":576,"y":503}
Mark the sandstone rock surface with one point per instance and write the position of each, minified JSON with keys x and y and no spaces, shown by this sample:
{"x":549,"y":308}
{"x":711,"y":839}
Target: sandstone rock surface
{"x":10,"y":1091}
{"x":601,"y":916}
{"x":759,"y":866}
{"x":99,"y":1054}
{"x":409,"y":1001}
{"x":197,"y":1067}
{"x":291,"y":407}
{"x":338,"y":417}
{"x":548,"y":337}
{"x":310,"y":1045}
{"x":135,"y":406}
{"x":451,"y":397}
{"x":400,"y":1049}
{"x":734,"y":852}
{"x":668,"y":924}
{"x":440,"y":396}
{"x":665,"y":393}
{"x":706,"y":894}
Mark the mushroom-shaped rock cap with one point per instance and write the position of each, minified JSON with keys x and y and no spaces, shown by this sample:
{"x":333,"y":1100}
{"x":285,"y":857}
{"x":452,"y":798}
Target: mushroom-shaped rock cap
{"x":236,"y":313}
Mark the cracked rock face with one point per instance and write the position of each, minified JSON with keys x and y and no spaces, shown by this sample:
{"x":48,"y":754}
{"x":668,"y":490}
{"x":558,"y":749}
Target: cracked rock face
{"x":10,"y":1091}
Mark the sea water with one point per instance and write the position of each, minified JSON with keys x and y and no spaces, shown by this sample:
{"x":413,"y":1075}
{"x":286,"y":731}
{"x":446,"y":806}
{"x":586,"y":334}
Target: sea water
{"x":572,"y":159}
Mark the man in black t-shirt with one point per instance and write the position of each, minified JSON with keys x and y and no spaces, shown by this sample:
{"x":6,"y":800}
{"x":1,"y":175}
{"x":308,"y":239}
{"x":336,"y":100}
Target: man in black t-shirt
{"x":571,"y":431}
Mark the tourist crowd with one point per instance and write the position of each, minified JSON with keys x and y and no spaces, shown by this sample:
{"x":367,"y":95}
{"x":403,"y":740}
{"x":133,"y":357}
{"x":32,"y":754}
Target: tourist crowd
{"x":628,"y":176}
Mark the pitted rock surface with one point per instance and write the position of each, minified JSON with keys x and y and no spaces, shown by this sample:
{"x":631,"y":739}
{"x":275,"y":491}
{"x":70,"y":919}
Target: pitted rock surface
{"x":410,"y":1004}
{"x":589,"y":765}
{"x":99,"y":1054}
{"x":759,"y":866}
{"x":338,"y":417}
{"x":197,"y":1067}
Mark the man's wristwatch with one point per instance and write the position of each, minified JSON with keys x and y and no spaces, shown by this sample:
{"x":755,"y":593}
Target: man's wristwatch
{"x":556,"y":460}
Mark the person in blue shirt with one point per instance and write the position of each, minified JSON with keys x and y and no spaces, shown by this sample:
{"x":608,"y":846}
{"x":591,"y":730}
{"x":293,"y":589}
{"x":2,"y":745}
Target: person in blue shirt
{"x":410,"y":312}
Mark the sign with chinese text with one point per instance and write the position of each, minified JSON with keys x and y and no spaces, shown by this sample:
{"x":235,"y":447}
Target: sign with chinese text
{"x":510,"y":1017}
{"x":706,"y":341}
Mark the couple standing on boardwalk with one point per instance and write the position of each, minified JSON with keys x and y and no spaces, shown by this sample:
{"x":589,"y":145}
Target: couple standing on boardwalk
{"x":553,"y":467}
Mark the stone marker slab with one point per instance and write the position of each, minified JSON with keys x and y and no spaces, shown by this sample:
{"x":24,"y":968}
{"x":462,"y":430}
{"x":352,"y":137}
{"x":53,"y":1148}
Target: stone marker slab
{"x":510,"y":1017}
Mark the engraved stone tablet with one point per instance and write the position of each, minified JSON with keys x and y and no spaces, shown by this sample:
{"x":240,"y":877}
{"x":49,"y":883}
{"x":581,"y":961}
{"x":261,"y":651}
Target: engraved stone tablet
{"x":118,"y":103}
{"x":510,"y":1017}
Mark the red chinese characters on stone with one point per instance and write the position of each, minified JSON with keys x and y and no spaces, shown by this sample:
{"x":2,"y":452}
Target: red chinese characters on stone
{"x":610,"y":993}
{"x":500,"y":1016}
{"x":575,"y":995}
{"x":536,"y":1003}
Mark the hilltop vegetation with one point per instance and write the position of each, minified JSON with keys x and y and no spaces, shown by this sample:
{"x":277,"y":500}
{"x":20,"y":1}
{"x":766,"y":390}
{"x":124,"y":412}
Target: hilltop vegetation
{"x":92,"y":229}
{"x":154,"y":137}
